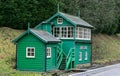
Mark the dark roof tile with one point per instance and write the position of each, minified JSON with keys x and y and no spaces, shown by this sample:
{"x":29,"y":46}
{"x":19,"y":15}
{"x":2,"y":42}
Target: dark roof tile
{"x":44,"y":35}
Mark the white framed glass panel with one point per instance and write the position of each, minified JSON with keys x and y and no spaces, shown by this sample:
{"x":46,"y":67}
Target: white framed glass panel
{"x":48,"y":52}
{"x":64,"y":32}
{"x":86,"y":55}
{"x":30,"y":52}
{"x":83,"y":33}
{"x":59,"y":20}
{"x":80,"y":56}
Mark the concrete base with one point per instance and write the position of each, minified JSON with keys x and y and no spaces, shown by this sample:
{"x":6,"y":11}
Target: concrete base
{"x":80,"y":66}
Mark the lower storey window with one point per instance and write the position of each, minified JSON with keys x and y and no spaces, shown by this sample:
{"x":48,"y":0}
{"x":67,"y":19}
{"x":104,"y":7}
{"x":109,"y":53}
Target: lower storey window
{"x":48,"y":52}
{"x":30,"y":52}
{"x":80,"y":56}
{"x":86,"y":55}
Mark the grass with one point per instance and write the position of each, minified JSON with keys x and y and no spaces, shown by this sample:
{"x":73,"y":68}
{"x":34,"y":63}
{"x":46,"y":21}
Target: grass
{"x":7,"y":54}
{"x":106,"y":49}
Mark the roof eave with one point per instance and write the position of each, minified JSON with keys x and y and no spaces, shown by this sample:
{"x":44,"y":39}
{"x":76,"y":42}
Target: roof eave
{"x":54,"y":41}
{"x":19,"y":37}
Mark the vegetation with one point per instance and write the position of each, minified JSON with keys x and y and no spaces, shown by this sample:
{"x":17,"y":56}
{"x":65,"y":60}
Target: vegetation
{"x":102,"y":14}
{"x":105,"y":50}
{"x":7,"y":54}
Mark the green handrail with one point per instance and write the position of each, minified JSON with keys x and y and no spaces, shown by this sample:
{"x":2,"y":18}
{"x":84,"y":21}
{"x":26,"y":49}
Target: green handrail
{"x":60,"y":54}
{"x":69,"y":58}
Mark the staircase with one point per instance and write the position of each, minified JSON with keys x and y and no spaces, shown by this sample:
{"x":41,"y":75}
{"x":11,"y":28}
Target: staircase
{"x":65,"y":62}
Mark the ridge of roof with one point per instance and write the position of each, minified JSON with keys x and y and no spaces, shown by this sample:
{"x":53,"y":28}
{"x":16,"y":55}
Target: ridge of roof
{"x":41,"y":34}
{"x":77,"y":20}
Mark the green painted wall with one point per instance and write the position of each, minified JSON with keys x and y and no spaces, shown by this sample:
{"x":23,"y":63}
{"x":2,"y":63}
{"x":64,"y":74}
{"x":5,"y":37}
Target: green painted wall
{"x":46,"y":27}
{"x":36,"y":63}
{"x":65,"y":23}
{"x":77,"y":50}
{"x":51,"y":62}
{"x":67,"y":45}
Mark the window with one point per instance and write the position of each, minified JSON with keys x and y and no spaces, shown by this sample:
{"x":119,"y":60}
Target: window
{"x":83,"y":47}
{"x":83,"y":33}
{"x":56,"y":32}
{"x":48,"y":52}
{"x":80,"y":56}
{"x":63,"y":32}
{"x":86,"y":55}
{"x":59,"y":20}
{"x":30,"y":52}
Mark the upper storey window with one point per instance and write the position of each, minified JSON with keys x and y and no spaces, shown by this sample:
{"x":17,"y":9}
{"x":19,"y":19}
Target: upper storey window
{"x":83,"y":33}
{"x":63,"y":32}
{"x":59,"y":20}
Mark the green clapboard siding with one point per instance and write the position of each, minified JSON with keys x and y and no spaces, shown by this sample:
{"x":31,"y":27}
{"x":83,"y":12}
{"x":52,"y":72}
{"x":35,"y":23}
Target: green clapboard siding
{"x":51,"y":62}
{"x":47,"y":27}
{"x":36,"y":63}
{"x":65,"y":23}
{"x":67,"y":45}
{"x":77,"y":50}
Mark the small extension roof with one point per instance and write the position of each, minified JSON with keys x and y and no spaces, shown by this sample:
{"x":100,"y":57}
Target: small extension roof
{"x":40,"y":34}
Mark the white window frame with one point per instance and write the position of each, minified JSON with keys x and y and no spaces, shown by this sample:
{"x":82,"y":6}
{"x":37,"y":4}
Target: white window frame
{"x":80,"y":56}
{"x":30,"y":52}
{"x":48,"y":50}
{"x":86,"y":55}
{"x":83,"y":33}
{"x":64,"y":32}
{"x":59,"y":20}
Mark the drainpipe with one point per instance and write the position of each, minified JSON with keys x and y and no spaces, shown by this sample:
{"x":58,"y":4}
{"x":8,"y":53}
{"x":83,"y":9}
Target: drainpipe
{"x":16,"y":57}
{"x":45,"y":57}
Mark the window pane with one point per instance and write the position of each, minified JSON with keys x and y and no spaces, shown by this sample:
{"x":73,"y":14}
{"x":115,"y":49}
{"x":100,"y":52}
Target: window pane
{"x":32,"y":54}
{"x":86,"y":55}
{"x":80,"y":55}
{"x":28,"y":54}
{"x":59,"y":20}
{"x":70,"y":32}
{"x":32,"y":50}
{"x":28,"y":50}
{"x":48,"y":52}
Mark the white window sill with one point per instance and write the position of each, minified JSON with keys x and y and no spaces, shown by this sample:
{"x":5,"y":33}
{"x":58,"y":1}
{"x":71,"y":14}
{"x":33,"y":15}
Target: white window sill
{"x":83,"y":39}
{"x":48,"y":56}
{"x":64,"y":38}
{"x":80,"y":59}
{"x":30,"y":56}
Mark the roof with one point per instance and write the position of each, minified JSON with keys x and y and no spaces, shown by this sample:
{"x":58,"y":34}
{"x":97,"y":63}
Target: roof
{"x":40,"y":34}
{"x":75,"y":19}
{"x":45,"y":35}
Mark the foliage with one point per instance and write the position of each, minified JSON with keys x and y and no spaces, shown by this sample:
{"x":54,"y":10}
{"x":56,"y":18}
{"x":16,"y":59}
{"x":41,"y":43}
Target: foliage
{"x":102,"y":14}
{"x":17,"y":13}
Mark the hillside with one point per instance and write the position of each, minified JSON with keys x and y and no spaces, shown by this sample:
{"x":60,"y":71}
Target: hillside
{"x":106,"y":49}
{"x":7,"y":53}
